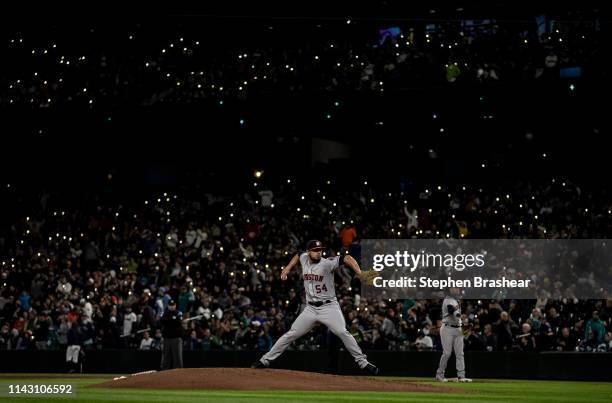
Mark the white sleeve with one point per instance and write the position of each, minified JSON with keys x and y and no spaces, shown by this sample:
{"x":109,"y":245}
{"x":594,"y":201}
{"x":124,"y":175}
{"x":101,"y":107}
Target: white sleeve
{"x":333,"y":263}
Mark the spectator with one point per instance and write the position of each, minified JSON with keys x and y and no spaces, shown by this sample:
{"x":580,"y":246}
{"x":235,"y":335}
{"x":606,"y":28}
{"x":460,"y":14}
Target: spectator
{"x":595,"y":328}
{"x":423,"y":342}
{"x":378,"y":341}
{"x":347,"y":235}
{"x":544,"y":336}
{"x":24,"y":300}
{"x":505,"y":329}
{"x":129,"y":318}
{"x":147,"y":342}
{"x":206,"y":340}
{"x":62,"y":332}
{"x":193,"y":343}
{"x":473,"y":341}
{"x":41,"y":332}
{"x":185,"y":299}
{"x":264,"y":341}
{"x":592,"y":344}
{"x":566,"y":341}
{"x":5,"y":337}
{"x":87,"y":332}
{"x":250,"y":339}
{"x":553,"y":318}
{"x":356,"y":332}
{"x":389,"y":327}
{"x":525,"y":341}
{"x":156,"y":343}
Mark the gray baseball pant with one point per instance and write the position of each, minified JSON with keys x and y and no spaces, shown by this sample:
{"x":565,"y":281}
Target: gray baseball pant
{"x":331,"y":316}
{"x":452,"y":339}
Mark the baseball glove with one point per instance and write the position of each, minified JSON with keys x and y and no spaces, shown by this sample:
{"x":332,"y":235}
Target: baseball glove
{"x":367,"y":277}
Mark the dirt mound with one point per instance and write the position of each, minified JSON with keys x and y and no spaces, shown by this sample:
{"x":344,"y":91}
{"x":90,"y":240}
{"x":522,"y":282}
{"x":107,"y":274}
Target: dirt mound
{"x":262,"y":379}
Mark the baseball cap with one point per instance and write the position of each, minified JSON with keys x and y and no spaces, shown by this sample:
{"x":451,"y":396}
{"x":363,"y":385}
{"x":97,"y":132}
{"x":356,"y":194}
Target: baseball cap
{"x":314,"y":245}
{"x":171,"y":302}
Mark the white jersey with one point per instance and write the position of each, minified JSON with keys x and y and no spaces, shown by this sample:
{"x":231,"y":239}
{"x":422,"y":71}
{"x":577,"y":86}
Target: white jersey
{"x":451,"y":319}
{"x":319,"y":278}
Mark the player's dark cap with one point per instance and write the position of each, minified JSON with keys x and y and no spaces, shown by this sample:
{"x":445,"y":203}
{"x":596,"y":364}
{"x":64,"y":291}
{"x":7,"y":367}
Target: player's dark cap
{"x":171,"y":303}
{"x":314,"y":245}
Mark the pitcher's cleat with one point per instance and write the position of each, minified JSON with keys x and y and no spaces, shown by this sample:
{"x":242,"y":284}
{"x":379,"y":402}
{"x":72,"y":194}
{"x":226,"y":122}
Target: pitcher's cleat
{"x":371,"y":369}
{"x":258,"y":365}
{"x":463,"y":379}
{"x":441,"y":378}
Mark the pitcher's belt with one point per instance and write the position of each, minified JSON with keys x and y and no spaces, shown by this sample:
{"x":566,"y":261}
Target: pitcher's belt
{"x":319,"y":303}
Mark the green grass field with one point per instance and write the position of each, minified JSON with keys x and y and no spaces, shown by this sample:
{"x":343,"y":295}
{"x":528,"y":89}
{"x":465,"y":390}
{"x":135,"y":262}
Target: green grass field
{"x":480,"y":391}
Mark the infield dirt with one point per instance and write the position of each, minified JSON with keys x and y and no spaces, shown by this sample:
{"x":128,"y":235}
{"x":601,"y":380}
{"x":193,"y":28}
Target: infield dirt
{"x":264,"y":379}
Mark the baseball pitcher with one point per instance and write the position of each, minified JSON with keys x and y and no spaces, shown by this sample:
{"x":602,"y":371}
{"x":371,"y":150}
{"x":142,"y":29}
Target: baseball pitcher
{"x":322,"y":305}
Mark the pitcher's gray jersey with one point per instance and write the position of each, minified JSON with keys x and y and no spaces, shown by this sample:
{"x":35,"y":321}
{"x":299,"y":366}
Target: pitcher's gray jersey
{"x":451,"y":319}
{"x":319,"y":278}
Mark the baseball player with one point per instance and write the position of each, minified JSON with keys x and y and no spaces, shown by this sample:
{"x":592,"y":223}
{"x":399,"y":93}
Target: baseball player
{"x":322,"y":305}
{"x":73,"y":349}
{"x":451,"y":336}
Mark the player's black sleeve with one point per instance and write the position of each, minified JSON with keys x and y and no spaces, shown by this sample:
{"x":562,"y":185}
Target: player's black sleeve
{"x":341,"y":260}
{"x":450,"y":309}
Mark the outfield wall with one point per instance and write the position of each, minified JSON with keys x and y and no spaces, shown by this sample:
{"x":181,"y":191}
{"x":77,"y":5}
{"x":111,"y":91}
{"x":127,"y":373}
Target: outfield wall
{"x":568,"y":366}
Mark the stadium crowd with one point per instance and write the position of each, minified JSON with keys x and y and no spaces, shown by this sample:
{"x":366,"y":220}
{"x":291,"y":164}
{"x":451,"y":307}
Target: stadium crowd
{"x":101,"y":275}
{"x":106,"y":67}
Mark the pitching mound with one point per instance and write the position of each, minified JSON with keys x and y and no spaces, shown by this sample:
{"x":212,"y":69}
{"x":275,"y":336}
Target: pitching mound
{"x":262,"y":379}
